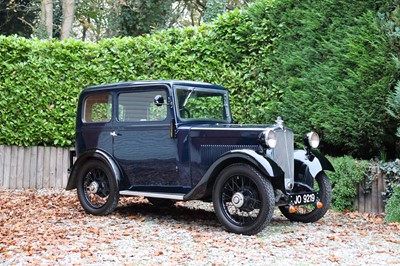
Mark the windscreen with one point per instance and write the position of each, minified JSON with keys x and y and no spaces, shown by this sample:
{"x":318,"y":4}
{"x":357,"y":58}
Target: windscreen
{"x":200,"y":104}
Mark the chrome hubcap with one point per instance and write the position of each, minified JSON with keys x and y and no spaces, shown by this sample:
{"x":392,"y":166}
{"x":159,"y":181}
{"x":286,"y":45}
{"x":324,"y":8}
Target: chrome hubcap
{"x":93,"y":188}
{"x":238,"y":200}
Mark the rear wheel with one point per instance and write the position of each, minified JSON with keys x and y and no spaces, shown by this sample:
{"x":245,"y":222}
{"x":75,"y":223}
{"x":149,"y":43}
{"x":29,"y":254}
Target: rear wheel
{"x":310,"y":213}
{"x":97,"y":188}
{"x":243,"y":199}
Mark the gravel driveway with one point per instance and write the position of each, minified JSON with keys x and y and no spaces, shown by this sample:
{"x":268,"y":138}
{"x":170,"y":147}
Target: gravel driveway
{"x":49,"y":227}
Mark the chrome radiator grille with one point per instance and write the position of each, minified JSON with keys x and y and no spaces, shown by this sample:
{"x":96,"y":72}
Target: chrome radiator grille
{"x":282,"y":154}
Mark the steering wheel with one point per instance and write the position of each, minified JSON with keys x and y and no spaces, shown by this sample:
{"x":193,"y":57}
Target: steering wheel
{"x":184,"y":112}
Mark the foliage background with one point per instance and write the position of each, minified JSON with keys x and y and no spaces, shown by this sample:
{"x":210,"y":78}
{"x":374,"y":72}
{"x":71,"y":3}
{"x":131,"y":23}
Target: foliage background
{"x":348,"y":174}
{"x":322,"y":65}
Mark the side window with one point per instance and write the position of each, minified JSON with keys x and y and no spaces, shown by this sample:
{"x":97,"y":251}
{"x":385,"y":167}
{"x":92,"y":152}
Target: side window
{"x":97,"y":108}
{"x":140,"y":106}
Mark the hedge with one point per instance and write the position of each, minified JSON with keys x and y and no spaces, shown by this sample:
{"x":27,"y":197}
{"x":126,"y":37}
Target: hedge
{"x":319,"y":65}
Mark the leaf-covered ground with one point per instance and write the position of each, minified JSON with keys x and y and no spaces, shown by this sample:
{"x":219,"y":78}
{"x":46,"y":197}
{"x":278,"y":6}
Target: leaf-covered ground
{"x":49,"y":227}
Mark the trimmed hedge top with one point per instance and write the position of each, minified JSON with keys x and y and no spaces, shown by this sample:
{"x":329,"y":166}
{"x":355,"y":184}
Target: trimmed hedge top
{"x":316,"y":67}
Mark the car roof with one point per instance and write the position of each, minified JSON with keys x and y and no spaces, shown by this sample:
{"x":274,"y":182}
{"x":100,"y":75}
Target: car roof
{"x":112,"y":86}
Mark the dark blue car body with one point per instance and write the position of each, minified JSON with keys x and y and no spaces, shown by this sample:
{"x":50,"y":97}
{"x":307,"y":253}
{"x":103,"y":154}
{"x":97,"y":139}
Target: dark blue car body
{"x":173,"y":140}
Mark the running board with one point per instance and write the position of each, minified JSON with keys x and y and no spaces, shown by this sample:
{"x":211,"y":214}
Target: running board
{"x":161,"y":195}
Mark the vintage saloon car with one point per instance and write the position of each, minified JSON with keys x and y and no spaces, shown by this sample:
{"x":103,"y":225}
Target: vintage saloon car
{"x":174,"y":141}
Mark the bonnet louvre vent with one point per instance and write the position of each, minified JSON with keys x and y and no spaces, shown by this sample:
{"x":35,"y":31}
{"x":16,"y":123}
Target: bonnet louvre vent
{"x":210,"y":153}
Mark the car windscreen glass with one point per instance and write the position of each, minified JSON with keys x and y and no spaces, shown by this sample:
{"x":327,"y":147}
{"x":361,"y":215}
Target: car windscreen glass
{"x":200,"y":104}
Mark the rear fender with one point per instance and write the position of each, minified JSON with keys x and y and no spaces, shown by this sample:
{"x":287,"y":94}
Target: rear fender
{"x":266,"y":165}
{"x":83,"y":158}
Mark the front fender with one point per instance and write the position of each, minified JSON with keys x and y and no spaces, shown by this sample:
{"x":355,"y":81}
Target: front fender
{"x":266,"y":165}
{"x":83,"y":158}
{"x":315,"y":161}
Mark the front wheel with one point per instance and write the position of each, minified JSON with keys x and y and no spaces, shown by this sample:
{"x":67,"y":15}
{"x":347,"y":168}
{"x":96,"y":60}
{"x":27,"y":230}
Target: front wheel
{"x":243,"y":199}
{"x":310,"y":213}
{"x":97,"y":188}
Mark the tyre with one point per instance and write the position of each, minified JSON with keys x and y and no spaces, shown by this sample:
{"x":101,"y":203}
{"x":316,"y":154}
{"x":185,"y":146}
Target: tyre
{"x":161,"y":202}
{"x":243,"y":199}
{"x":97,"y":188}
{"x":310,"y":213}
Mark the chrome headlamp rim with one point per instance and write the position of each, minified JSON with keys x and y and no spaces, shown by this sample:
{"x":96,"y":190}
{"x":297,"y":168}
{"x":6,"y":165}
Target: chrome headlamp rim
{"x":312,"y":140}
{"x":268,"y":138}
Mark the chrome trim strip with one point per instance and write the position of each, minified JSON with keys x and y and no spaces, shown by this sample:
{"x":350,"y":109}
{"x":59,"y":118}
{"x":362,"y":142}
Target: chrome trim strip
{"x":161,"y":195}
{"x":230,"y":128}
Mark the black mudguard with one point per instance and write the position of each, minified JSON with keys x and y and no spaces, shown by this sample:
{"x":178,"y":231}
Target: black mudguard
{"x":266,"y":165}
{"x":308,"y":165}
{"x":83,"y":158}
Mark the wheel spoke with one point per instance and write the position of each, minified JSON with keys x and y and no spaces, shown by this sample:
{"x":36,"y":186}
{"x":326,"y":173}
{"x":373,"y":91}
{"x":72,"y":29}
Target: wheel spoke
{"x":96,"y":197}
{"x":249,"y":211}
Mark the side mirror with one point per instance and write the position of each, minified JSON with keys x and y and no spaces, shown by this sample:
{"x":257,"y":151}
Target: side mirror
{"x":158,"y":100}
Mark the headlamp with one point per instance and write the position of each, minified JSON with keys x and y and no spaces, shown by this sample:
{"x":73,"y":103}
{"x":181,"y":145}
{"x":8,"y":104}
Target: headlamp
{"x":311,"y":140}
{"x":268,"y":138}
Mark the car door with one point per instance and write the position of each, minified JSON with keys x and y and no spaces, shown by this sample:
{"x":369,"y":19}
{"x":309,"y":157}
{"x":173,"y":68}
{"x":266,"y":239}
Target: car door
{"x":142,"y":144}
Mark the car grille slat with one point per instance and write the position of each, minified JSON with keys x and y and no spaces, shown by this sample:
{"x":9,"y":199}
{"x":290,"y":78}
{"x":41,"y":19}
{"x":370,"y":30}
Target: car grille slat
{"x":283,"y":153}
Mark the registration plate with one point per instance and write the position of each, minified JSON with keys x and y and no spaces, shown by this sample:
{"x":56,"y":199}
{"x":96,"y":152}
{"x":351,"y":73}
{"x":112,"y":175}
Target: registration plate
{"x":303,"y":198}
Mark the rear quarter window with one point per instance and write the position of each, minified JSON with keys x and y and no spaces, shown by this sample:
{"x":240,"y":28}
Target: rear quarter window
{"x":97,"y":108}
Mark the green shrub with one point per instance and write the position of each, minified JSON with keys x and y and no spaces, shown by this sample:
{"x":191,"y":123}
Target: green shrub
{"x":392,"y":208}
{"x":349,"y":172}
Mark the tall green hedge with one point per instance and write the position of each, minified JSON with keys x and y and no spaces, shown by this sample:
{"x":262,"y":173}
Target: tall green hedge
{"x":335,"y":70}
{"x":321,"y":65}
{"x":41,"y":80}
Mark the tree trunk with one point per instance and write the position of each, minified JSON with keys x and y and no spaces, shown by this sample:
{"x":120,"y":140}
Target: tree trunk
{"x":46,"y":17}
{"x":68,"y":18}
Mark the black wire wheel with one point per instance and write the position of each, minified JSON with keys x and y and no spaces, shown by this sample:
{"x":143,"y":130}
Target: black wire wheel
{"x":243,"y":199}
{"x":310,"y":213}
{"x":97,"y":188}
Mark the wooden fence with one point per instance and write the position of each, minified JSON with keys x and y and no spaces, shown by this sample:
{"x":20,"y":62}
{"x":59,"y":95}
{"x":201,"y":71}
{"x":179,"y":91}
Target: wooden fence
{"x":33,"y":167}
{"x":46,"y":167}
{"x":369,"y":194}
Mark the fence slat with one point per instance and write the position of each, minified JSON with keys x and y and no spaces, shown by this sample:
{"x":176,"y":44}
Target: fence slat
{"x":26,"y":167}
{"x":46,"y":168}
{"x":65,"y":169}
{"x":33,"y":167}
{"x":381,"y":188}
{"x":360,"y":197}
{"x":6,"y":167}
{"x":374,"y":195}
{"x":371,"y":201}
{"x":53,"y":166}
{"x":13,"y":170}
{"x":2,"y":181}
{"x":40,"y":167}
{"x":59,"y":166}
